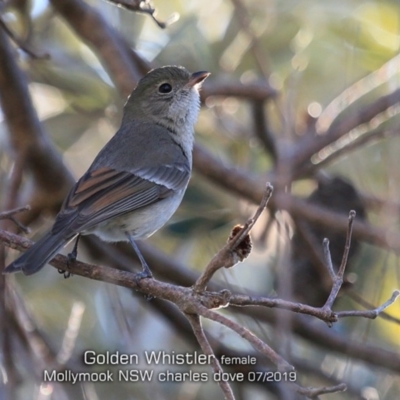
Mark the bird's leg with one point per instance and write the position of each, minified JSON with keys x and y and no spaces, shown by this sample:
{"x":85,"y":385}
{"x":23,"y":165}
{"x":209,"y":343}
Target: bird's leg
{"x":146,"y":273}
{"x":71,"y":258}
{"x":74,"y":253}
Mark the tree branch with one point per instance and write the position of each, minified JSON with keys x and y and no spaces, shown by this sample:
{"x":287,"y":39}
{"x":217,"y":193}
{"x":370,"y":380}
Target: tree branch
{"x":237,"y":248}
{"x":207,"y":349}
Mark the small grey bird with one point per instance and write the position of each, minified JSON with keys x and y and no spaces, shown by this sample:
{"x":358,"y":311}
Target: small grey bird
{"x":138,"y":179}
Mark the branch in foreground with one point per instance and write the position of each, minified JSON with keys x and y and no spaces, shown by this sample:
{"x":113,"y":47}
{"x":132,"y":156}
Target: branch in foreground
{"x":207,"y":349}
{"x":338,"y":281}
{"x":329,"y":316}
{"x":213,"y":299}
{"x":171,"y":269}
{"x":356,"y":297}
{"x":237,"y":248}
{"x":313,"y":393}
{"x":183,"y":297}
{"x":246,"y":334}
{"x":371,"y":314}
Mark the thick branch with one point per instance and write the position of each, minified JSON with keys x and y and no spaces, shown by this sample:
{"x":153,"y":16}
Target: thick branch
{"x":323,"y":338}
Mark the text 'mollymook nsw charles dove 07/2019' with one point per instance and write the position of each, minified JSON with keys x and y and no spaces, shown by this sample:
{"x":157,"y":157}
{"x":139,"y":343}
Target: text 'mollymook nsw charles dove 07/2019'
{"x":138,"y":179}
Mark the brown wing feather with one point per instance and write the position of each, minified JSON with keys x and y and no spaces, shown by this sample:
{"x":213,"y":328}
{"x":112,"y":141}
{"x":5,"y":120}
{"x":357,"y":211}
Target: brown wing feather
{"x":105,"y":193}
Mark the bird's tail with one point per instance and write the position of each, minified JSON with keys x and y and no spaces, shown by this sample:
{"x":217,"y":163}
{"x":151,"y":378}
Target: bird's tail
{"x":37,"y":256}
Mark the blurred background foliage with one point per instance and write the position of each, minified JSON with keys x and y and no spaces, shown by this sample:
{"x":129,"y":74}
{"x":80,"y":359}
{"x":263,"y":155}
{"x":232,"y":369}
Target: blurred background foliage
{"x":311,"y":52}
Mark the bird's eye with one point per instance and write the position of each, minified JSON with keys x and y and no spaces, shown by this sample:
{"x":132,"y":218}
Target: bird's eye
{"x":165,"y":88}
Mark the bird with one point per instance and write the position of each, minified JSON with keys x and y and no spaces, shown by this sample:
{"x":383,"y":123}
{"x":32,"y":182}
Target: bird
{"x":137,"y":181}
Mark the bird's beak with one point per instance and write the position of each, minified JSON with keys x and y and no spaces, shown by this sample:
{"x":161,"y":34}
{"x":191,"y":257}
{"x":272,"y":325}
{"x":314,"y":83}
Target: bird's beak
{"x":197,"y":78}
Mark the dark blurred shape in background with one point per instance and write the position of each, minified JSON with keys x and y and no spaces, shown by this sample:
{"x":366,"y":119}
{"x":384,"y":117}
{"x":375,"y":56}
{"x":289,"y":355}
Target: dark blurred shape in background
{"x":311,"y":283}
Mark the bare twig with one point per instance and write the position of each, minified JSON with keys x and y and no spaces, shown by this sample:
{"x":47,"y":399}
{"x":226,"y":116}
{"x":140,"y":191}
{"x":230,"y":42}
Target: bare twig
{"x":227,"y":257}
{"x":251,"y":222}
{"x":338,"y":281}
{"x":241,"y":300}
{"x":22,"y":44}
{"x":328,"y":258}
{"x":359,"y":300}
{"x":324,"y":314}
{"x":313,"y":248}
{"x":371,"y":314}
{"x":145,"y":7}
{"x":206,"y":347}
{"x":246,"y":334}
{"x":313,"y":393}
{"x":10,"y":215}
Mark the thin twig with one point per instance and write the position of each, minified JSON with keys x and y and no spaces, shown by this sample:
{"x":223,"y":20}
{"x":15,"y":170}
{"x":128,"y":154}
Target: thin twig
{"x":207,"y":349}
{"x":313,"y":393}
{"x":324,"y":314}
{"x":328,"y":258}
{"x":371,"y":314}
{"x":338,"y":281}
{"x":311,"y":244}
{"x":10,"y":215}
{"x":226,"y":257}
{"x":359,"y":300}
{"x":241,"y":300}
{"x":21,"y":44}
{"x":145,"y":7}
{"x":246,"y":334}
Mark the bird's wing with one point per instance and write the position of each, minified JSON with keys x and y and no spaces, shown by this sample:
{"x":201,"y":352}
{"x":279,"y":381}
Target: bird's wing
{"x":105,"y":193}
